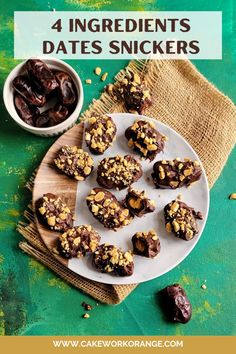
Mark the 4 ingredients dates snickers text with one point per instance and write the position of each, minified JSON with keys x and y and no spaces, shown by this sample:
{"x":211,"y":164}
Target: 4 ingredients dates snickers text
{"x":105,"y":208}
{"x":118,"y":172}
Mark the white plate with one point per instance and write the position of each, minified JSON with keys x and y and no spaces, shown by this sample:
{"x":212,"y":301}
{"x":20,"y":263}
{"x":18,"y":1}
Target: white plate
{"x":173,"y":250}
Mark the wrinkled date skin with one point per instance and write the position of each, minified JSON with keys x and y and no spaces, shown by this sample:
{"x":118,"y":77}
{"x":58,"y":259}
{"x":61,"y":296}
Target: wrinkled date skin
{"x":176,"y":303}
{"x":42,"y":76}
{"x":23,"y":86}
{"x":26,"y":112}
{"x":66,"y":90}
{"x":52,"y":116}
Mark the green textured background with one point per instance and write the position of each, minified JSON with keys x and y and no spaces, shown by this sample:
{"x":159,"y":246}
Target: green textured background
{"x":33,"y":301}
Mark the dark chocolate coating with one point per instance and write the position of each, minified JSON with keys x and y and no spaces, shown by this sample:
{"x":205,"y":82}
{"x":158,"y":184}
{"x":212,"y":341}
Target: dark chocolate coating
{"x":41,"y":75}
{"x":135,"y":94}
{"x":54,"y":213}
{"x":177,"y":304}
{"x":118,"y":172}
{"x":66,"y":89}
{"x":146,"y":244}
{"x":100,"y":134}
{"x":110,"y":259}
{"x":145,"y":139}
{"x":78,"y":241}
{"x":175,"y":174}
{"x":107,"y":209}
{"x":138,"y":204}
{"x":181,"y":220}
{"x":74,"y":162}
{"x":26,"y":112}
{"x":24,"y":87}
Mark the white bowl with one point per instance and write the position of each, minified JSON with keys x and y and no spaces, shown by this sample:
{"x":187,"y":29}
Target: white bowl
{"x":8,"y":97}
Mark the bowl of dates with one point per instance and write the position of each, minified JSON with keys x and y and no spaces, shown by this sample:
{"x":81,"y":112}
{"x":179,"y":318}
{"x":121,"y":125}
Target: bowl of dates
{"x":43,"y":96}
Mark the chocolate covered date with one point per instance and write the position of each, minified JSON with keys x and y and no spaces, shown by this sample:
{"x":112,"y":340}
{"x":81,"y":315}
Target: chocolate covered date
{"x":66,"y":90}
{"x":176,"y":303}
{"x":41,"y":75}
{"x":74,"y":162}
{"x":135,"y":93}
{"x":111,"y":259}
{"x":146,"y":244}
{"x":145,"y":139}
{"x":78,"y":241}
{"x":118,"y":172}
{"x":26,"y":112}
{"x":54,"y":213}
{"x":176,"y":173}
{"x":181,"y":220}
{"x":107,"y":210}
{"x":100,"y":134}
{"x":138,"y":204}
{"x":24,"y":87}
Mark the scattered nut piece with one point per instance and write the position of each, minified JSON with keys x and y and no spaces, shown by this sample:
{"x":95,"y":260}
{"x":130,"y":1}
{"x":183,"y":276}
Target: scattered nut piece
{"x":232,"y":196}
{"x":203,"y":286}
{"x":88,"y":81}
{"x":98,"y":70}
{"x":86,"y":315}
{"x":104,"y":76}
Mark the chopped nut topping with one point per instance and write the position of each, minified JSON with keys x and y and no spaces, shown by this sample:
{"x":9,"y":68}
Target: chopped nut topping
{"x":53,"y":212}
{"x":181,"y":219}
{"x":118,"y":172}
{"x":138,"y":203}
{"x":110,"y":259}
{"x":133,"y":90}
{"x":146,"y":244}
{"x":176,"y":173}
{"x":105,"y":208}
{"x":100,"y":134}
{"x":88,"y":81}
{"x":78,"y":241}
{"x":145,"y":139}
{"x":74,"y":162}
{"x":232,"y":196}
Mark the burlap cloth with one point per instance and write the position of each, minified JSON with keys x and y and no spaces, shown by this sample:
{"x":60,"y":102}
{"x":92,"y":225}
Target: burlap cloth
{"x":184,"y":100}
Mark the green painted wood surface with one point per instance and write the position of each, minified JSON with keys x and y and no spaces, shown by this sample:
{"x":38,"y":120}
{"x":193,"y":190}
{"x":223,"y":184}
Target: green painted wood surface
{"x":33,"y":301}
